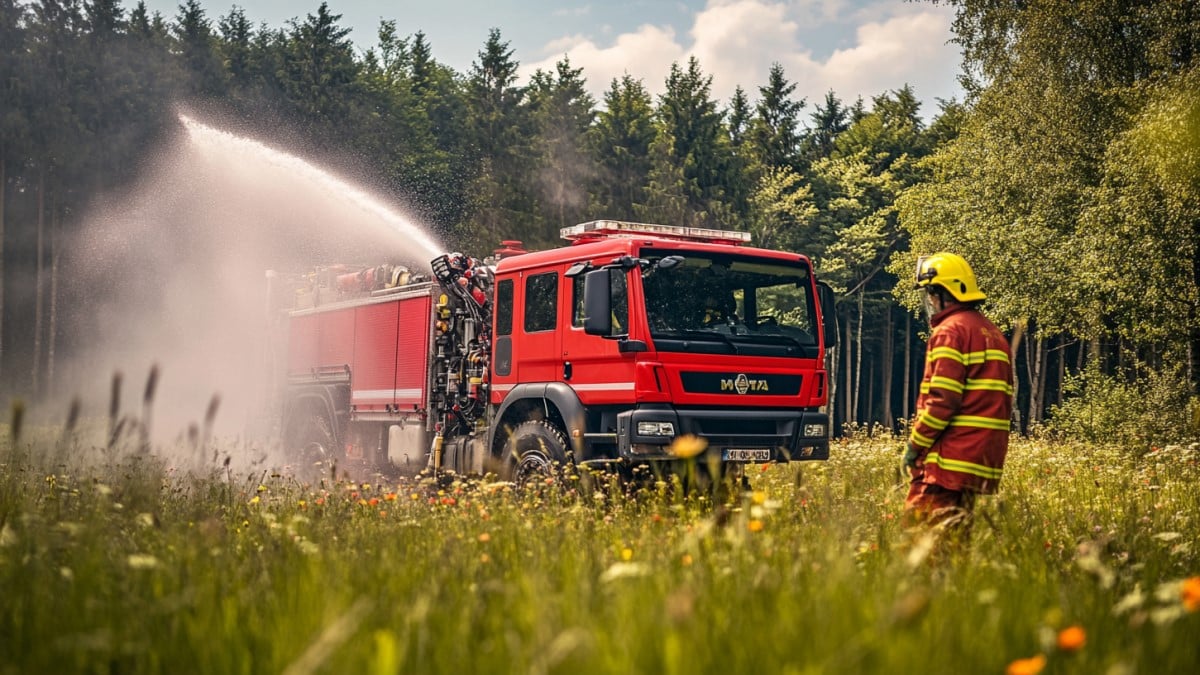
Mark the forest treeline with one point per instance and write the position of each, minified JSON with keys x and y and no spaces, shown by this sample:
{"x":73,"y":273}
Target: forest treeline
{"x":1069,"y":177}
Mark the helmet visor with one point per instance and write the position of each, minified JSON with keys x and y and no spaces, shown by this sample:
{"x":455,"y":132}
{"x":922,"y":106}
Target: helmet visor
{"x":924,"y":275}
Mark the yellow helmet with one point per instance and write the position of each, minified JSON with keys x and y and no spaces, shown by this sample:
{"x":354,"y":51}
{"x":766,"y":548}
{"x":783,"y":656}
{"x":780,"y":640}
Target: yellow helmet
{"x":950,"y":272}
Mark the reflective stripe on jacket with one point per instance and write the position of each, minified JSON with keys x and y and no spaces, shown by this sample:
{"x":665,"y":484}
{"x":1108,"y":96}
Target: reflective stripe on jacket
{"x":963,"y":411}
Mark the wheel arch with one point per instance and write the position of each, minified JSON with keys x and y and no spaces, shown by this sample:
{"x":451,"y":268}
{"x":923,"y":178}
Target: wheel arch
{"x":314,"y":400}
{"x":556,"y":402}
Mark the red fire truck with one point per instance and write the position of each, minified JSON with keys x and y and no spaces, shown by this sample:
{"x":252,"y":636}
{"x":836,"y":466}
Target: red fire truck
{"x":601,"y":352}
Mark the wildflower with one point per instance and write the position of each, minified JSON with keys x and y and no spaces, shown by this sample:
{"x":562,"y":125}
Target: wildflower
{"x":320,"y":501}
{"x":255,"y":500}
{"x":626,"y":554}
{"x":758,"y":497}
{"x":484,"y":537}
{"x":414,"y":496}
{"x":391,"y":496}
{"x":485,"y":558}
{"x":261,"y":488}
{"x":142,"y":561}
{"x":686,"y":560}
{"x":624,"y":570}
{"x":1072,"y":638}
{"x":754,"y":525}
{"x":373,"y":501}
{"x":688,"y":446}
{"x":1190,"y":594}
{"x":1030,"y":666}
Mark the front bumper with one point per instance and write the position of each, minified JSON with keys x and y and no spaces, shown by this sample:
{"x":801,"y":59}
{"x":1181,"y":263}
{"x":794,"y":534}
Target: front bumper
{"x":789,"y":435}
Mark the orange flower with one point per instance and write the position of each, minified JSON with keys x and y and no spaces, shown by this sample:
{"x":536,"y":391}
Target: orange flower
{"x":1030,"y":666}
{"x":755,"y":525}
{"x":687,"y":446}
{"x":1072,"y":638}
{"x":1190,"y":593}
{"x":373,"y":501}
{"x":484,"y":537}
{"x":391,"y":496}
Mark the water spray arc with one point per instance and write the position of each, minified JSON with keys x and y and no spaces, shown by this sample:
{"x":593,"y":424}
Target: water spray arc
{"x":411,"y":240}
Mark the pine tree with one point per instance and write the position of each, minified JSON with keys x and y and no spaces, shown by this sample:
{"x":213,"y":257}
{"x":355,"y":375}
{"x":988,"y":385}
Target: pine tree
{"x":563,"y":112}
{"x":620,"y":142}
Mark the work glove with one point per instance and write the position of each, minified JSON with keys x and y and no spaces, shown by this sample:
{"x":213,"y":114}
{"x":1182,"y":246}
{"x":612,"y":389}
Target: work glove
{"x":910,"y":456}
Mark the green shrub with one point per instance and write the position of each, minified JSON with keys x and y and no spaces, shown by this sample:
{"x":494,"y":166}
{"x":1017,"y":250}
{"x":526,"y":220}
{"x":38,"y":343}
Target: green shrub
{"x":1139,"y":412}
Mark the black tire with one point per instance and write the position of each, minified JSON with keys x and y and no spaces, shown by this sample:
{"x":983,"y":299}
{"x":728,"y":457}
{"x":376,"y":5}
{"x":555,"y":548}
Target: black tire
{"x":535,"y":451}
{"x":314,"y":449}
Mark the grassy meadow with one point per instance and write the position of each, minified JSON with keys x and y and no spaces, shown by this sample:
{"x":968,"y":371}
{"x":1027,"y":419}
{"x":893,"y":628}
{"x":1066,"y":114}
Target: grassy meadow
{"x":113,"y":561}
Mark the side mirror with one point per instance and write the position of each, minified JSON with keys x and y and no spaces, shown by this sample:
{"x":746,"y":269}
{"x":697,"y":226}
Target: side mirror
{"x":828,"y":314}
{"x":597,"y":302}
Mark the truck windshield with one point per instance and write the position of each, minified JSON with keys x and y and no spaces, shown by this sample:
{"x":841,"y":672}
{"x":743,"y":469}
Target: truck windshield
{"x":729,"y":304}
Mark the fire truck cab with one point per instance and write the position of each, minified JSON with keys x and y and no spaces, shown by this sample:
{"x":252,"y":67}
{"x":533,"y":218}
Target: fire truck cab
{"x":606,"y":351}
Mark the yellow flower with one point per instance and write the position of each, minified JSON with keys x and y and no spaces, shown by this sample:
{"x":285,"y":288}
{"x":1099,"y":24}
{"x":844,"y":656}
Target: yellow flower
{"x":686,"y":560}
{"x":755,"y":525}
{"x":627,"y":554}
{"x":1030,"y":666}
{"x":687,"y":446}
{"x":758,"y":497}
{"x":1190,"y":593}
{"x":1072,"y":638}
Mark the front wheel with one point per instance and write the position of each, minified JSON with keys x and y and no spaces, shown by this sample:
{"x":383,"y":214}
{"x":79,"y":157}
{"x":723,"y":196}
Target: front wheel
{"x":536,"y":451}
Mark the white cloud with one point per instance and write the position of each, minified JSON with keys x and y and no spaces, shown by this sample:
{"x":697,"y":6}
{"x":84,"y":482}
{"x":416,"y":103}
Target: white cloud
{"x":646,"y":53}
{"x":886,"y":45}
{"x":911,"y":49}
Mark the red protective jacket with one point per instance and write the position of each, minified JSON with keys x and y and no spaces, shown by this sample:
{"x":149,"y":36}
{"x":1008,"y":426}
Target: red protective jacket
{"x":963,"y":412}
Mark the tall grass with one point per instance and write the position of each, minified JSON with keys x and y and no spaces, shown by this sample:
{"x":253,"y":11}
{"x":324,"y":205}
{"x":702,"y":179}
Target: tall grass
{"x":118,"y":562}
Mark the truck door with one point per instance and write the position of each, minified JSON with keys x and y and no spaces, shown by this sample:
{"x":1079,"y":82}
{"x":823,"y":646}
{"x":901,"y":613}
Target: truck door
{"x":595,"y":367}
{"x":537,"y":347}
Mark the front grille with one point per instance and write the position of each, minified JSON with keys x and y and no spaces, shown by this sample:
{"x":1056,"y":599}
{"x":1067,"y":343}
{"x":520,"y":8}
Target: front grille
{"x":734,"y":427}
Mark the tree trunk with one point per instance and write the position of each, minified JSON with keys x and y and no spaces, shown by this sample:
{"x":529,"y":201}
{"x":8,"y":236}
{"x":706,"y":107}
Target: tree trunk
{"x":908,"y":362}
{"x":1015,"y":344}
{"x":3,"y":194}
{"x":858,"y":356}
{"x":887,"y":359}
{"x":37,"y":305}
{"x":1043,"y":359}
{"x":1062,"y":369}
{"x":1033,"y":368}
{"x":847,"y":409}
{"x":52,"y":338}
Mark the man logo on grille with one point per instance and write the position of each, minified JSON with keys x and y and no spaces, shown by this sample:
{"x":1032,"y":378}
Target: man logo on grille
{"x":742,"y":384}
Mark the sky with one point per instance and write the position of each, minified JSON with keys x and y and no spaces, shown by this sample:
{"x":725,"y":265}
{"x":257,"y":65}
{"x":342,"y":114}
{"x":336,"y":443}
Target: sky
{"x":852,"y":47}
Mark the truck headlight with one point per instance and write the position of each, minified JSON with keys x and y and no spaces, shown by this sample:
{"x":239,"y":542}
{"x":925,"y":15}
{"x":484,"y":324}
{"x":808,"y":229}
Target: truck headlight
{"x":814,"y":430}
{"x":656,"y":428}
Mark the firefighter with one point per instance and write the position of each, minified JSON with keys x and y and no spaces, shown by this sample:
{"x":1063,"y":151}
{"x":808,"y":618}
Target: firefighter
{"x":960,"y":433}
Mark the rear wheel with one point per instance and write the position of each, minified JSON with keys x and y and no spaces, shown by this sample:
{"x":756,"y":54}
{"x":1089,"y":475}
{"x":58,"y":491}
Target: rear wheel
{"x":314,"y":449}
{"x":536,"y":451}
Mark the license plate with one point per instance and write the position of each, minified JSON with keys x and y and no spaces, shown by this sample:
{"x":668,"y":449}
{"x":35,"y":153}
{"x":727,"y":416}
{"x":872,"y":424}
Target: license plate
{"x":738,"y":455}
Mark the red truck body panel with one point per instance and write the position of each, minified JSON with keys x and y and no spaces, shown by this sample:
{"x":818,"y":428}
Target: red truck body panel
{"x":382,"y":343}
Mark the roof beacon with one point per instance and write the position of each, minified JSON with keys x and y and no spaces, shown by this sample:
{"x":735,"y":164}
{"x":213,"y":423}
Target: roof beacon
{"x":605,"y":229}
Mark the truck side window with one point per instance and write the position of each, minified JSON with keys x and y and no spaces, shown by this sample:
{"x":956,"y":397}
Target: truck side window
{"x":504,"y":307}
{"x":620,"y":303}
{"x":541,"y":302}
